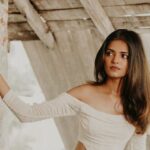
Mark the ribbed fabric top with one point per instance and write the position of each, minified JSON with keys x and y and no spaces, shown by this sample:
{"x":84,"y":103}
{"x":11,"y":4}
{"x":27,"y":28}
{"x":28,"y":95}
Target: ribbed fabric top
{"x":97,"y":130}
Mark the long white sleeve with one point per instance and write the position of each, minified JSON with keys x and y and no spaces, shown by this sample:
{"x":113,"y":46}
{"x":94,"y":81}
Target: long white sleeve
{"x":137,"y":142}
{"x":62,"y":105}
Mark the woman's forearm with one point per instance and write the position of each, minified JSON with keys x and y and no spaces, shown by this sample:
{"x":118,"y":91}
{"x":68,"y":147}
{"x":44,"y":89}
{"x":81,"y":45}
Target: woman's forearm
{"x":4,"y":87}
{"x":62,"y":105}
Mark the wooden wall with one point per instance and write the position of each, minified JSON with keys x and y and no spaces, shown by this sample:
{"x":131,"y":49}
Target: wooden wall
{"x":69,"y":64}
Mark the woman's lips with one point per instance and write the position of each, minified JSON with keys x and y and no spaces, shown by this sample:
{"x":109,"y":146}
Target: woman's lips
{"x":114,"y":68}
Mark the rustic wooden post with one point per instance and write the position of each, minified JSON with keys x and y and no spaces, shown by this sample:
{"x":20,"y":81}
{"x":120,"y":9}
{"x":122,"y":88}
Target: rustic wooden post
{"x":98,"y":16}
{"x":3,"y":36}
{"x":36,"y":21}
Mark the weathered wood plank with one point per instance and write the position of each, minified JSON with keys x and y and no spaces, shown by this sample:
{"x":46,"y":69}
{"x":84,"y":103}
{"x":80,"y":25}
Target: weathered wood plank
{"x":112,"y":2}
{"x":122,"y":2}
{"x":14,"y":18}
{"x":55,"y":25}
{"x":22,"y":35}
{"x":3,"y":36}
{"x":137,"y":1}
{"x":98,"y":15}
{"x":36,"y":22}
{"x":131,"y":22}
{"x":56,"y":4}
{"x":17,"y":27}
{"x":121,"y":11}
{"x":21,"y":30}
{"x":13,"y":9}
{"x":24,"y":32}
{"x":71,"y":14}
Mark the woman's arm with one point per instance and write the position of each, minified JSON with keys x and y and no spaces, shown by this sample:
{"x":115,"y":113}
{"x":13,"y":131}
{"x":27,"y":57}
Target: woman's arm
{"x":62,"y":105}
{"x":4,"y":87}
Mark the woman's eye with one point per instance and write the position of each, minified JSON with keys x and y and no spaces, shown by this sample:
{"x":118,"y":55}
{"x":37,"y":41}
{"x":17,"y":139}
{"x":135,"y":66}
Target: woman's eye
{"x":125,"y":56}
{"x":108,"y":53}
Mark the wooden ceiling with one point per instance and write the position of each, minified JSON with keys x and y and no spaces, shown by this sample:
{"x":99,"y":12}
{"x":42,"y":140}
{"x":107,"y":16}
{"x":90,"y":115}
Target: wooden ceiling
{"x":60,"y":15}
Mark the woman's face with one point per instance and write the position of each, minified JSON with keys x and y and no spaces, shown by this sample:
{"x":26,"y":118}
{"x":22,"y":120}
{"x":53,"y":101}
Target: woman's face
{"x":116,"y":59}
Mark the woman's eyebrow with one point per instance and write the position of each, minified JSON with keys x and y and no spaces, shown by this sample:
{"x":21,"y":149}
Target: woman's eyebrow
{"x":114,"y":51}
{"x":110,"y":49}
{"x":124,"y":52}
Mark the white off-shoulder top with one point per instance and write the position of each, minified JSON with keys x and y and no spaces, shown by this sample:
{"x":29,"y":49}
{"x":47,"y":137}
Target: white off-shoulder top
{"x":97,"y":130}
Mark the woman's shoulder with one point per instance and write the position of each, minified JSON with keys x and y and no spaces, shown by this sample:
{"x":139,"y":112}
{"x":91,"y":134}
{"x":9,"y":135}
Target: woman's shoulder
{"x":82,"y":91}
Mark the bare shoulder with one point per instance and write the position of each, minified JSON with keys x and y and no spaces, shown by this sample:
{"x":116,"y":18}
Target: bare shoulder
{"x":81,"y":92}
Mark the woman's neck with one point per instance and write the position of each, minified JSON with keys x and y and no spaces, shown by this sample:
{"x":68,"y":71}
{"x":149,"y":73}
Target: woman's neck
{"x":113,"y":86}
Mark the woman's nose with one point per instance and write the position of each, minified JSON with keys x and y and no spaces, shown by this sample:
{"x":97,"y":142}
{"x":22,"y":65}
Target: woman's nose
{"x":116,"y":59}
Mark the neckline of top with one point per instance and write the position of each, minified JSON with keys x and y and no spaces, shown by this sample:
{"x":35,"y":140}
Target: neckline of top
{"x":94,"y":109}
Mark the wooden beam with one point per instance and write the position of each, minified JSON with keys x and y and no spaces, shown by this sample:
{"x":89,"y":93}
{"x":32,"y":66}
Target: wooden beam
{"x":53,"y":15}
{"x":98,"y":15}
{"x":137,"y":2}
{"x":37,"y":23}
{"x":69,"y":14}
{"x":13,"y":9}
{"x":123,"y":11}
{"x":3,"y":36}
{"x":56,"y":4}
{"x":22,"y":31}
{"x":131,"y":22}
{"x":50,"y":7}
{"x":16,"y":18}
{"x":56,"y":26}
{"x":122,"y":2}
{"x":23,"y":36}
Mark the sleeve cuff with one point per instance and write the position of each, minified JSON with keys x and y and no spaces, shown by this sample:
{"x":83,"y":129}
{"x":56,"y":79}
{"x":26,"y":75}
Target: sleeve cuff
{"x":8,"y":96}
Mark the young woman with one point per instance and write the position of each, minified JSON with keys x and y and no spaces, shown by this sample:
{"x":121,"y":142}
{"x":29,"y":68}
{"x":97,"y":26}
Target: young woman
{"x":114,"y":109}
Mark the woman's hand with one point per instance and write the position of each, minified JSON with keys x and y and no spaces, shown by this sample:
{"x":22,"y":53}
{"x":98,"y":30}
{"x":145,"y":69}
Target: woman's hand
{"x":4,"y":87}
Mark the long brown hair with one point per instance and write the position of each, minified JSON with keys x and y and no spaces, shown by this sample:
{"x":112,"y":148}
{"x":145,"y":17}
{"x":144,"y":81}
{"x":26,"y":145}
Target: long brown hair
{"x":135,"y":91}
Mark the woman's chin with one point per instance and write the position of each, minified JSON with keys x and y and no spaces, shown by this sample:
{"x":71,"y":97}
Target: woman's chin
{"x":115,"y":76}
